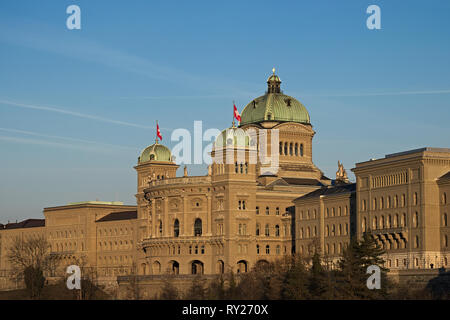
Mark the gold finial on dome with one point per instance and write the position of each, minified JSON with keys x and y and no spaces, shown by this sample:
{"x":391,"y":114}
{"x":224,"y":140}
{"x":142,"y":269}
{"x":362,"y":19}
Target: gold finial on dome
{"x":273,"y":70}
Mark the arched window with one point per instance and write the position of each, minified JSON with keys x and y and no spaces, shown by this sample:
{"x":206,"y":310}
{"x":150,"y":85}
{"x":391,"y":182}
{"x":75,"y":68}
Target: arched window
{"x":416,"y":220}
{"x":236,"y":167}
{"x":257,"y":249}
{"x":415,"y":198}
{"x":267,"y":230}
{"x":382,"y":222}
{"x":444,"y":198}
{"x":397,"y":221}
{"x":267,"y":249}
{"x":285,"y":148}
{"x":176,"y":228}
{"x":277,"y":230}
{"x":296,"y":149}
{"x":291,"y":149}
{"x":416,"y":242}
{"x":444,"y":220}
{"x":404,"y":222}
{"x":445,"y":241}
{"x":267,"y":211}
{"x":257,"y":229}
{"x":301,"y":150}
{"x":375,"y":223}
{"x":328,"y":230}
{"x":281,"y":148}
{"x":374,"y":204}
{"x":198,"y":227}
{"x":364,"y":224}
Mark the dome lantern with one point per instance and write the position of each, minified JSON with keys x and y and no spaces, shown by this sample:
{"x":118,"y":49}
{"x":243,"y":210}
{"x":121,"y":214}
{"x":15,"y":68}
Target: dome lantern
{"x":273,"y":83}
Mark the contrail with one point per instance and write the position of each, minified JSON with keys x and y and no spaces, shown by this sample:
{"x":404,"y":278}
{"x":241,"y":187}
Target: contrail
{"x":64,"y":138}
{"x":398,"y":93}
{"x":73,"y":113}
{"x":53,"y":144}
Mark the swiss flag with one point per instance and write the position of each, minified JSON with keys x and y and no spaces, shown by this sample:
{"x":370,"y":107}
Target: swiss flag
{"x":158,"y":132}
{"x":237,"y":116}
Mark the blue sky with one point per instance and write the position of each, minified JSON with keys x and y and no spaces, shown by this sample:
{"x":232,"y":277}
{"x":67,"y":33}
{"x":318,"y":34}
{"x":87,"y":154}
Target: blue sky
{"x":77,"y":106}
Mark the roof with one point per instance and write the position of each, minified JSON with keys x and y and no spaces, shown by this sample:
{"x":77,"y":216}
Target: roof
{"x":274,"y":106}
{"x":29,"y":223}
{"x":417,"y":150}
{"x":331,"y":190}
{"x":445,"y":177}
{"x":155,"y":152}
{"x":121,"y":215}
{"x":303,"y":181}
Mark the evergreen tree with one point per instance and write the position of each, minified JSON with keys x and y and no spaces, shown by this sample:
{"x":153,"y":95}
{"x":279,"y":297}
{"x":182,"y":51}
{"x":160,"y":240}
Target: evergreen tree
{"x":295,"y":282}
{"x":352,"y":276}
{"x":317,"y":282}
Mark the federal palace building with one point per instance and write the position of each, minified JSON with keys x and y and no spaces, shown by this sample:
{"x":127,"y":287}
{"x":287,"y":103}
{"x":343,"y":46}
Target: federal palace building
{"x":240,"y":213}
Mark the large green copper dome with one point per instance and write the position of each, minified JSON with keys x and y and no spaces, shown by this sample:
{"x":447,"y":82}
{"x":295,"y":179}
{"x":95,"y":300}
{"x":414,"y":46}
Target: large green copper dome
{"x":155,"y":152}
{"x":274,"y":106}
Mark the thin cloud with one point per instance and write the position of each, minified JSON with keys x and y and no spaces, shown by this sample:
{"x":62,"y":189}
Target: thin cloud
{"x":372,"y":94}
{"x":73,"y":113}
{"x":41,"y":142}
{"x":64,"y":138}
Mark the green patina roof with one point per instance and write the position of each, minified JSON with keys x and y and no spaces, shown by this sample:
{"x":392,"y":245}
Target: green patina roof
{"x":155,"y":152}
{"x":274,"y":107}
{"x":232,"y":137}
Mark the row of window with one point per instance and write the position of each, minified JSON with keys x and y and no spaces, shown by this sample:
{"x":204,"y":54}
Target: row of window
{"x":198,"y":229}
{"x":114,"y":232}
{"x":241,"y":167}
{"x":116,"y":245}
{"x":67,"y":246}
{"x":396,"y":221}
{"x":267,"y":230}
{"x":291,"y":149}
{"x":392,"y":179}
{"x":422,"y":262}
{"x":380,"y":203}
{"x":267,"y":211}
{"x":115,"y":260}
{"x":267,"y":249}
{"x":65,"y":234}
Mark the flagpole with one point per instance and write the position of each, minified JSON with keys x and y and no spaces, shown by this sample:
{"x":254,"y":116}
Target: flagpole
{"x":156,"y":131}
{"x":233,"y":114}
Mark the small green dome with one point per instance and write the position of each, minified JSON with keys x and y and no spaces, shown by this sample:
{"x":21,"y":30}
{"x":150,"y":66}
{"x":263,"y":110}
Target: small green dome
{"x":274,"y":106}
{"x":155,"y":152}
{"x":235,"y":137}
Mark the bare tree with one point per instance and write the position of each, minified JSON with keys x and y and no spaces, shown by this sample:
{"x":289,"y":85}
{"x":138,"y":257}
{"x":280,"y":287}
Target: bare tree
{"x":31,"y":259}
